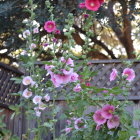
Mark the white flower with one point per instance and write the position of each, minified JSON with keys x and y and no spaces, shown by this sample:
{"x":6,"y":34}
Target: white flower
{"x":27,"y":94}
{"x":42,"y":106}
{"x":36,"y":30}
{"x":26,"y":33}
{"x":38,"y":113}
{"x":37,"y":99}
{"x":32,"y":46}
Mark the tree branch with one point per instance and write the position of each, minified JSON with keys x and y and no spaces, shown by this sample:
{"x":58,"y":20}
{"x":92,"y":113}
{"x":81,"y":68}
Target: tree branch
{"x":94,"y":39}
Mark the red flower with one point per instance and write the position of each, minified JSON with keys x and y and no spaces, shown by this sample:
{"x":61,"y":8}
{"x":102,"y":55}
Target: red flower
{"x":93,"y":5}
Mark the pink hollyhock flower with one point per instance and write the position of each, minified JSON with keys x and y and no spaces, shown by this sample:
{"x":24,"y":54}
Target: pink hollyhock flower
{"x":49,"y":68}
{"x":86,"y":15}
{"x":42,"y":106}
{"x":38,"y":113}
{"x":113,"y":75}
{"x":105,"y":91}
{"x":26,"y":33}
{"x":74,"y":77}
{"x":50,"y":26}
{"x":36,"y":30}
{"x":107,"y":111}
{"x":79,"y":123}
{"x":113,"y":122}
{"x":62,"y":59}
{"x":98,"y":127}
{"x":98,"y":118}
{"x":68,"y":130}
{"x":27,"y":94}
{"x":88,"y":84}
{"x":93,"y":5}
{"x":82,"y":5}
{"x":68,"y":122}
{"x":34,"y":84}
{"x":138,"y":133}
{"x":70,"y":62}
{"x":24,"y":52}
{"x":57,"y":31}
{"x":37,"y":99}
{"x":80,"y":78}
{"x":58,"y":79}
{"x":32,"y":46}
{"x":101,"y":1}
{"x":77,"y":88}
{"x":68,"y":72}
{"x":129,"y":73}
{"x":27,"y":80}
{"x":47,"y":98}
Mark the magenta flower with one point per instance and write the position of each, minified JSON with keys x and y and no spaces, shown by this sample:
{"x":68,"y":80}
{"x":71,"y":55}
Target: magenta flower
{"x":98,"y":118}
{"x":129,"y":73}
{"x":77,"y":88}
{"x":82,"y":5}
{"x":101,"y":1}
{"x":50,"y":26}
{"x":27,"y":94}
{"x":88,"y":84}
{"x":107,"y":111}
{"x":86,"y":15}
{"x":113,"y":75}
{"x":113,"y":122}
{"x":93,"y":5}
{"x":68,"y":130}
{"x":57,"y":32}
{"x":79,"y":123}
{"x":74,"y":77}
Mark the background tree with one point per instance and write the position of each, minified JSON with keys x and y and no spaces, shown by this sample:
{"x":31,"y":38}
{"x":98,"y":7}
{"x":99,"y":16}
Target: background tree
{"x":115,"y":34}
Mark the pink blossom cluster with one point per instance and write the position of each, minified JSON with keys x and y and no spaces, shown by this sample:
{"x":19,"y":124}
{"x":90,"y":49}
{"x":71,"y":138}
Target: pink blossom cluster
{"x":75,"y":123}
{"x":127,"y":72}
{"x":106,"y":115}
{"x":93,"y":5}
{"x":65,"y":76}
{"x":50,"y":26}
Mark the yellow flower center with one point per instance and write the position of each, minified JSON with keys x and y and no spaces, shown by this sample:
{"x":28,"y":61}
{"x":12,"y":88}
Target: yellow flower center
{"x":28,"y":93}
{"x":92,"y":4}
{"x":110,"y":111}
{"x":28,"y":81}
{"x":50,"y":26}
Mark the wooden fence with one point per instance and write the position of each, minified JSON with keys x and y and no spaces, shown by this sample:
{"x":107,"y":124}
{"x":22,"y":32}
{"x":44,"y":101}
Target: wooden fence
{"x":18,"y":125}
